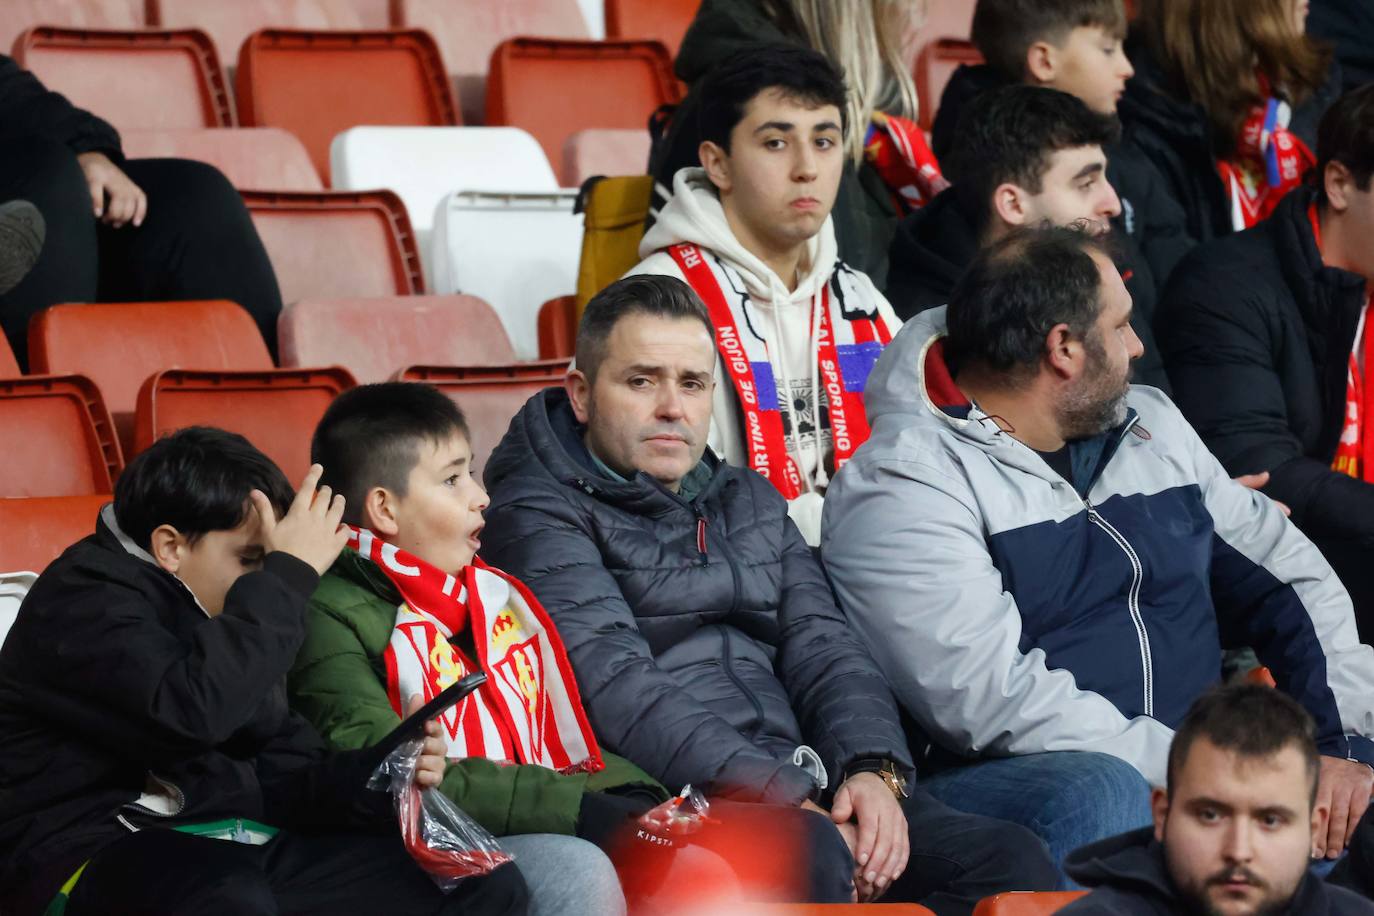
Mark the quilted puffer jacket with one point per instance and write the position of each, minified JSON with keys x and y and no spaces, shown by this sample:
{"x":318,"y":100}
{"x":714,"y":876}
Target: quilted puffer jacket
{"x":705,"y":639}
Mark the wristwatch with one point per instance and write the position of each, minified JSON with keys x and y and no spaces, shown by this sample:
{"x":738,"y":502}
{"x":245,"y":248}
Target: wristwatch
{"x":884,"y":769}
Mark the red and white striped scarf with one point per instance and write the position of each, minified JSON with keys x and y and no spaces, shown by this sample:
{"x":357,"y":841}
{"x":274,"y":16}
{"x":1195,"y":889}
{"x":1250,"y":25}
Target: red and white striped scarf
{"x":1269,"y":161}
{"x":529,"y":710}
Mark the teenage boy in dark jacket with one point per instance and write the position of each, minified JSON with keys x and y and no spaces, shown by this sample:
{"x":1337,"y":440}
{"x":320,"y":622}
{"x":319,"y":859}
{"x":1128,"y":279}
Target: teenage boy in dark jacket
{"x":1266,"y":337}
{"x":702,"y":631}
{"x":150,"y":764}
{"x":1233,"y":831}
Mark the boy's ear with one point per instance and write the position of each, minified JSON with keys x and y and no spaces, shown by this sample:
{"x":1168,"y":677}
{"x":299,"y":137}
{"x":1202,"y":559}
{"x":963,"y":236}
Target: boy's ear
{"x":1009,"y":204}
{"x":165,"y":545}
{"x":1042,"y":63}
{"x":716,"y":162}
{"x":379,"y":512}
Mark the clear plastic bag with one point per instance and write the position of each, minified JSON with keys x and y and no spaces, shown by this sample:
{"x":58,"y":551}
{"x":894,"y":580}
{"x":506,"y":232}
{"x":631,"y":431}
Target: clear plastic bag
{"x":445,"y":842}
{"x":675,"y":819}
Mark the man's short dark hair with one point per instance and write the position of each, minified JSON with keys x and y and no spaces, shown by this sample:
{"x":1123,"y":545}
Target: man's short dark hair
{"x":800,"y":74}
{"x":197,"y":480}
{"x":643,"y":294}
{"x":1004,"y":30}
{"x":371,"y":436}
{"x":1250,"y":721}
{"x":1016,"y":290}
{"x":1346,"y":135}
{"x":1010,"y":134}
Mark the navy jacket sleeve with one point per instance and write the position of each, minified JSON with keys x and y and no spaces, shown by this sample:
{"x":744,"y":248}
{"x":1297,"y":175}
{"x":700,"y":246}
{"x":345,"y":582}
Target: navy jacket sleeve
{"x":28,"y":109}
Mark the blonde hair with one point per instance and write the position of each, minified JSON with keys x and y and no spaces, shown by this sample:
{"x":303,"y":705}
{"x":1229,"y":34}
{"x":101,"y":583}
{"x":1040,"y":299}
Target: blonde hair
{"x":869,"y":41}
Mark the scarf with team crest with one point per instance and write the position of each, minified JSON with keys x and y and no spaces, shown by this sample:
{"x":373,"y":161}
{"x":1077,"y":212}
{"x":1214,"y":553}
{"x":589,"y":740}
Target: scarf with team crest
{"x":529,"y":710}
{"x":1269,"y":161}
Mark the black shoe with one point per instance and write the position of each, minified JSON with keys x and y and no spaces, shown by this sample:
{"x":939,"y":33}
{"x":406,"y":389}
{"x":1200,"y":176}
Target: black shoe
{"x":21,"y":239}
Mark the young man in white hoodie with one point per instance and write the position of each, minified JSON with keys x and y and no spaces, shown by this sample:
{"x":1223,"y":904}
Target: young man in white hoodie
{"x":797,"y":330}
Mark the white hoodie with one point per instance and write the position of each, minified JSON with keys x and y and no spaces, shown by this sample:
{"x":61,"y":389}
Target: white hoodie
{"x":694,"y":215}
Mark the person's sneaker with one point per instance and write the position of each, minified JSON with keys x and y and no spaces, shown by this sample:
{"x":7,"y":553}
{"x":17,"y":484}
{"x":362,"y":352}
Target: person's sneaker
{"x":21,"y":239}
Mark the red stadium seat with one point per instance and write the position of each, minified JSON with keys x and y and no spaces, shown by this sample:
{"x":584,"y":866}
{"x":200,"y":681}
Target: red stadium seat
{"x":554,"y":88}
{"x":372,"y":338}
{"x":604,"y":151}
{"x":338,"y":245}
{"x":468,"y":32}
{"x":59,"y":440}
{"x":948,"y":19}
{"x":35,"y":531}
{"x":934,"y":66}
{"x":257,"y":158}
{"x":558,"y":328}
{"x":229,"y":22}
{"x":9,"y":366}
{"x":71,"y":14}
{"x":1026,"y":903}
{"x":489,"y":396}
{"x":318,"y":84}
{"x":132,"y":79}
{"x":206,"y":334}
{"x":276,"y":410}
{"x":661,"y":20}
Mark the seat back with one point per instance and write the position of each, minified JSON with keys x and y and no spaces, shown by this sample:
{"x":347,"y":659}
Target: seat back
{"x":373,"y":338}
{"x":276,"y":410}
{"x":316,"y":84}
{"x":59,"y":438}
{"x":230,"y":22}
{"x":337,"y":245}
{"x":260,"y":158}
{"x":934,"y":66}
{"x":9,"y":366}
{"x":132,"y":79}
{"x":21,"y":15}
{"x":662,"y":20}
{"x":468,"y":32}
{"x":205,"y":334}
{"x":558,"y":328}
{"x":517,"y":251}
{"x":554,"y":88}
{"x":35,"y":531}
{"x":490,"y":396}
{"x":604,"y":151}
{"x":613,"y":210}
{"x":1026,"y":903}
{"x":13,"y":587}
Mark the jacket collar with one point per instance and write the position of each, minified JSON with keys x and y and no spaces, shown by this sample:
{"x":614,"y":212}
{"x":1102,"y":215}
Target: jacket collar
{"x":108,"y":531}
{"x":1316,"y":287}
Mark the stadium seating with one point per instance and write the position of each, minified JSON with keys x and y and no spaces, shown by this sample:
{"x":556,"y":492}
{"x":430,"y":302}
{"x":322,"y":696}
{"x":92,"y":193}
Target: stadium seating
{"x":1025,"y":903}
{"x":257,"y":158}
{"x":489,"y":396}
{"x":316,"y":84}
{"x":662,"y":20}
{"x":614,"y":211}
{"x":132,"y":79}
{"x":9,"y":366}
{"x":516,"y":251}
{"x":337,"y":245}
{"x":13,"y":587}
{"x":604,"y":151}
{"x":558,"y":328}
{"x":62,"y":441}
{"x":35,"y":531}
{"x":229,"y":22}
{"x":372,"y":338}
{"x":554,"y":88}
{"x":468,"y":32}
{"x":73,"y":14}
{"x":210,"y":334}
{"x":934,"y":66}
{"x":422,"y":164}
{"x":276,"y":410}
{"x":948,"y":19}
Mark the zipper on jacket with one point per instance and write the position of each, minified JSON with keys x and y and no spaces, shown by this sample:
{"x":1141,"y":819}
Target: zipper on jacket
{"x":1132,"y":603}
{"x":143,"y":809}
{"x":727,"y":663}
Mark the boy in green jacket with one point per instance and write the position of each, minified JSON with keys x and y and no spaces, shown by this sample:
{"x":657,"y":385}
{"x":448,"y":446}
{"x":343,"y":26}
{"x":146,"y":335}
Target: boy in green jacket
{"x":410,"y":608}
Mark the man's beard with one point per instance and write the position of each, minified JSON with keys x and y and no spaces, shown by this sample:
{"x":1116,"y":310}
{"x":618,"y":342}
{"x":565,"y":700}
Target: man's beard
{"x":1197,"y":902}
{"x":1098,"y":403}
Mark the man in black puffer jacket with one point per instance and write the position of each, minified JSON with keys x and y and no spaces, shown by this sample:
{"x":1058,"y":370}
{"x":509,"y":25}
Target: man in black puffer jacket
{"x":704,"y":636}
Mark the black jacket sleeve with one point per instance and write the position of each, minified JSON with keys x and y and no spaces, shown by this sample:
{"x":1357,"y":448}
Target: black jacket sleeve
{"x":846,"y":709}
{"x":28,"y":109}
{"x":307,"y":787}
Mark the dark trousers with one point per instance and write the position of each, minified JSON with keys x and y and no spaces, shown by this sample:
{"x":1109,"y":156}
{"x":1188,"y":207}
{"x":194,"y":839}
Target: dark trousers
{"x":196,"y":242}
{"x":163,"y":872}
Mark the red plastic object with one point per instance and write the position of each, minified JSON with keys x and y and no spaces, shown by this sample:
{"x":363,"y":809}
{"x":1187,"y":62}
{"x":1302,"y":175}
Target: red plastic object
{"x":662,"y":20}
{"x":134,"y":80}
{"x":35,"y":531}
{"x":554,"y":88}
{"x":21,"y":15}
{"x":558,"y":328}
{"x":9,"y":366}
{"x":338,"y":245}
{"x":59,"y":438}
{"x":318,"y":84}
{"x":118,"y":345}
{"x":374,"y":337}
{"x":261,"y":158}
{"x":1026,"y":903}
{"x":934,"y":66}
{"x":276,"y":410}
{"x":229,"y":22}
{"x":1262,"y":676}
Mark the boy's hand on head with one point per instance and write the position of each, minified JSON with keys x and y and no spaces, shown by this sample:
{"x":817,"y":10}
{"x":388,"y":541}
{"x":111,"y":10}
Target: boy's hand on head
{"x":429,"y":770}
{"x":311,"y":530}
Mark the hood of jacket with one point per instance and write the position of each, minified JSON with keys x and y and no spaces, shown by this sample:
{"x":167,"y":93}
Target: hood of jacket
{"x":930,"y":252}
{"x":965,"y":84}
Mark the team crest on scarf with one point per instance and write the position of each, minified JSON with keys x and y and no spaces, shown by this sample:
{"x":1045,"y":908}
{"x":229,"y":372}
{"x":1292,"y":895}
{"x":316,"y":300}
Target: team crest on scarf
{"x":898,"y":152}
{"x":529,"y":711}
{"x":1269,"y":161}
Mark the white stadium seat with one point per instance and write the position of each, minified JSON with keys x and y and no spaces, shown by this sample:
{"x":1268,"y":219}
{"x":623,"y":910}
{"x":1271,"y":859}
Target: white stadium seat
{"x":13,"y":588}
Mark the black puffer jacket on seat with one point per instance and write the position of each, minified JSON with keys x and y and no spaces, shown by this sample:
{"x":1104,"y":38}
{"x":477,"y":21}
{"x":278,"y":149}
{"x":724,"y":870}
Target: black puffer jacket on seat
{"x":705,"y":640}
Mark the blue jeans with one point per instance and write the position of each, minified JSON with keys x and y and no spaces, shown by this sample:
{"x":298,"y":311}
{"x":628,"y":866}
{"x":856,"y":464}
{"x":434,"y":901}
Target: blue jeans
{"x":1067,"y":798}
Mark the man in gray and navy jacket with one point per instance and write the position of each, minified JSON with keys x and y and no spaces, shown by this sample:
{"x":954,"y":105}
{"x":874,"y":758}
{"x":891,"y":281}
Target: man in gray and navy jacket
{"x":1047,"y":562}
